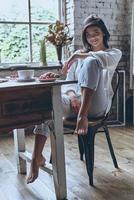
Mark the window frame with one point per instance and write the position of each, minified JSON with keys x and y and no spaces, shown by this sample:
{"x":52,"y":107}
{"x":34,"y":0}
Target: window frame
{"x":30,"y":23}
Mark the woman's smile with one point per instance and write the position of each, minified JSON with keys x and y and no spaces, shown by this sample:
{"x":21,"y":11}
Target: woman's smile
{"x":95,"y":42}
{"x":94,"y":37}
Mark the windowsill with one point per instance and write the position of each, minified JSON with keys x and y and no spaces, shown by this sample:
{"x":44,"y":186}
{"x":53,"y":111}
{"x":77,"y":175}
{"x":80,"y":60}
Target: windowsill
{"x":35,"y":66}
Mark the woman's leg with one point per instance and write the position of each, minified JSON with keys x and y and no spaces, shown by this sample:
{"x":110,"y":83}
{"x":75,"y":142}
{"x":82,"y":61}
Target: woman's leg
{"x":41,"y":133}
{"x":37,"y":157}
{"x":88,"y":80}
{"x":82,"y":120}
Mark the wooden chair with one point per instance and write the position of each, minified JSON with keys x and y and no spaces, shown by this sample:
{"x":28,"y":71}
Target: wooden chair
{"x":96,"y":125}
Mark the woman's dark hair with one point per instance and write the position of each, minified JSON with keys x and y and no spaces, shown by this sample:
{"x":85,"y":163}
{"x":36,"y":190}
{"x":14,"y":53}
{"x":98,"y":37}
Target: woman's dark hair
{"x":94,"y":21}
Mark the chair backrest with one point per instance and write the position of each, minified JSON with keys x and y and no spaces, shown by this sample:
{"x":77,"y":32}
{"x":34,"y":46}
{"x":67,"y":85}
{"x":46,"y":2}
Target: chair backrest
{"x":115,"y":88}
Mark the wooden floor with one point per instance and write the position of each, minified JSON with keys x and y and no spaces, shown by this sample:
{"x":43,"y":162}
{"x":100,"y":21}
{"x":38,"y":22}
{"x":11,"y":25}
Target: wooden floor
{"x":110,"y":184}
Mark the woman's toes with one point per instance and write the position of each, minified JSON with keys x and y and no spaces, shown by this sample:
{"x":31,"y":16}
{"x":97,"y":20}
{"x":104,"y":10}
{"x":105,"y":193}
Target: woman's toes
{"x":82,"y":132}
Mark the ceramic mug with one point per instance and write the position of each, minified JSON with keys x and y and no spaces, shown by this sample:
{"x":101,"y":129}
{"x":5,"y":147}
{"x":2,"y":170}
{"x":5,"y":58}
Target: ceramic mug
{"x":25,"y":74}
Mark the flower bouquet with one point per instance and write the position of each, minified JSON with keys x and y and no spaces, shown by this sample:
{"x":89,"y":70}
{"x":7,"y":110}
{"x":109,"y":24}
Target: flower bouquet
{"x":58,"y":35}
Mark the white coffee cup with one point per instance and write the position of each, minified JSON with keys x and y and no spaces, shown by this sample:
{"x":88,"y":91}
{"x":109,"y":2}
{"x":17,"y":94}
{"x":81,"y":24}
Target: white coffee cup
{"x":25,"y":74}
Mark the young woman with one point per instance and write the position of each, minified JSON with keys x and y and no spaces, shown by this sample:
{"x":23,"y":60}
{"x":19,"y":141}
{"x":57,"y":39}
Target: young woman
{"x":93,"y":67}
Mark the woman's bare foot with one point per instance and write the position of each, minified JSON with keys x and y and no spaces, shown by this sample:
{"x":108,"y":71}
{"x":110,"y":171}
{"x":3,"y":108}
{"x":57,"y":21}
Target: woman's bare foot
{"x":34,"y":169}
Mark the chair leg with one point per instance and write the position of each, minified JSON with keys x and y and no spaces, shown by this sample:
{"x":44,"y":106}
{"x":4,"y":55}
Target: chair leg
{"x":88,"y":141}
{"x":81,"y":147}
{"x":110,"y":146}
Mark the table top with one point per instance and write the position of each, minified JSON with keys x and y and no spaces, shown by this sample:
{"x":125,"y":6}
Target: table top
{"x":14,"y":84}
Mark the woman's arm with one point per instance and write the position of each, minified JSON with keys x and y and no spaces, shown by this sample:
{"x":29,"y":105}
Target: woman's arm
{"x":75,"y":56}
{"x":74,"y":101}
{"x":109,"y":58}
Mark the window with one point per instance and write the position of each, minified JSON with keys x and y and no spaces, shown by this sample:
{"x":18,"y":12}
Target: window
{"x":22,"y":25}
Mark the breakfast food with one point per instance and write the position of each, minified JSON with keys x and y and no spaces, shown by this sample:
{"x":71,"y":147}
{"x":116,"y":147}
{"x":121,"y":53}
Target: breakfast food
{"x":49,"y":76}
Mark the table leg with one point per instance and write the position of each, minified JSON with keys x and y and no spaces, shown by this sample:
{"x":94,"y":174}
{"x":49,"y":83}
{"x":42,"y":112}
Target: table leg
{"x":19,"y":142}
{"x":57,"y":146}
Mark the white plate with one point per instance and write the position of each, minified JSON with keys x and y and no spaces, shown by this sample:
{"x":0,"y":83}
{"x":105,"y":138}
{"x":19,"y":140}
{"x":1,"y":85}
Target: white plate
{"x":25,"y":80}
{"x":47,"y":80}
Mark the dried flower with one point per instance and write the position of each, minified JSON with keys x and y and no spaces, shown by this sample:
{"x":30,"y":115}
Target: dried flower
{"x":58,"y":34}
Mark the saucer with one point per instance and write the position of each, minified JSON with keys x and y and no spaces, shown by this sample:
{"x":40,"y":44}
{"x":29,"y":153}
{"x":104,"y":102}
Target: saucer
{"x":25,"y":80}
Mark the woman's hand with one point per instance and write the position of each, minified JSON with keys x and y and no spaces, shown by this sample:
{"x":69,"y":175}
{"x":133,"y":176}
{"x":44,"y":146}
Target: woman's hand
{"x":81,"y":125}
{"x":68,"y":63}
{"x":75,"y":104}
{"x":65,"y":68}
{"x":49,"y":75}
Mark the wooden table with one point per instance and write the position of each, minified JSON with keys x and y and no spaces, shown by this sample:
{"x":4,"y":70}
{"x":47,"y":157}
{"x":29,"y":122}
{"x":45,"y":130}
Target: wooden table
{"x":30,"y":103}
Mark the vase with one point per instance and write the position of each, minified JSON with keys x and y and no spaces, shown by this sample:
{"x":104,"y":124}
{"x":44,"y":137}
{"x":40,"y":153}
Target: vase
{"x":59,"y":53}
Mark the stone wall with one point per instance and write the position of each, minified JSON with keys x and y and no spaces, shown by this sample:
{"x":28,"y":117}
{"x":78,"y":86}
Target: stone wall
{"x":117,"y":17}
{"x":115,"y":13}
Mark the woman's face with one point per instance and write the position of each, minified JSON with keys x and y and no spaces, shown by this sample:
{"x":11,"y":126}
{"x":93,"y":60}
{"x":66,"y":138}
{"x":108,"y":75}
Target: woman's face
{"x":94,"y":36}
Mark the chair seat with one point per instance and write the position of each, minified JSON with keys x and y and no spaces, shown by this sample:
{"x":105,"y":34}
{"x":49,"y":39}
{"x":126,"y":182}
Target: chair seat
{"x":91,"y":121}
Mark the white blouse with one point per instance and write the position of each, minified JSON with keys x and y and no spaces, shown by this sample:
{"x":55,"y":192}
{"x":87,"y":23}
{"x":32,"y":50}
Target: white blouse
{"x":108,"y":60}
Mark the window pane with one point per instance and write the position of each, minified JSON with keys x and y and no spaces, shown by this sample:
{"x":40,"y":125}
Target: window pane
{"x":14,"y":10}
{"x":44,"y":10}
{"x":14,"y":43}
{"x":38,"y":33}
